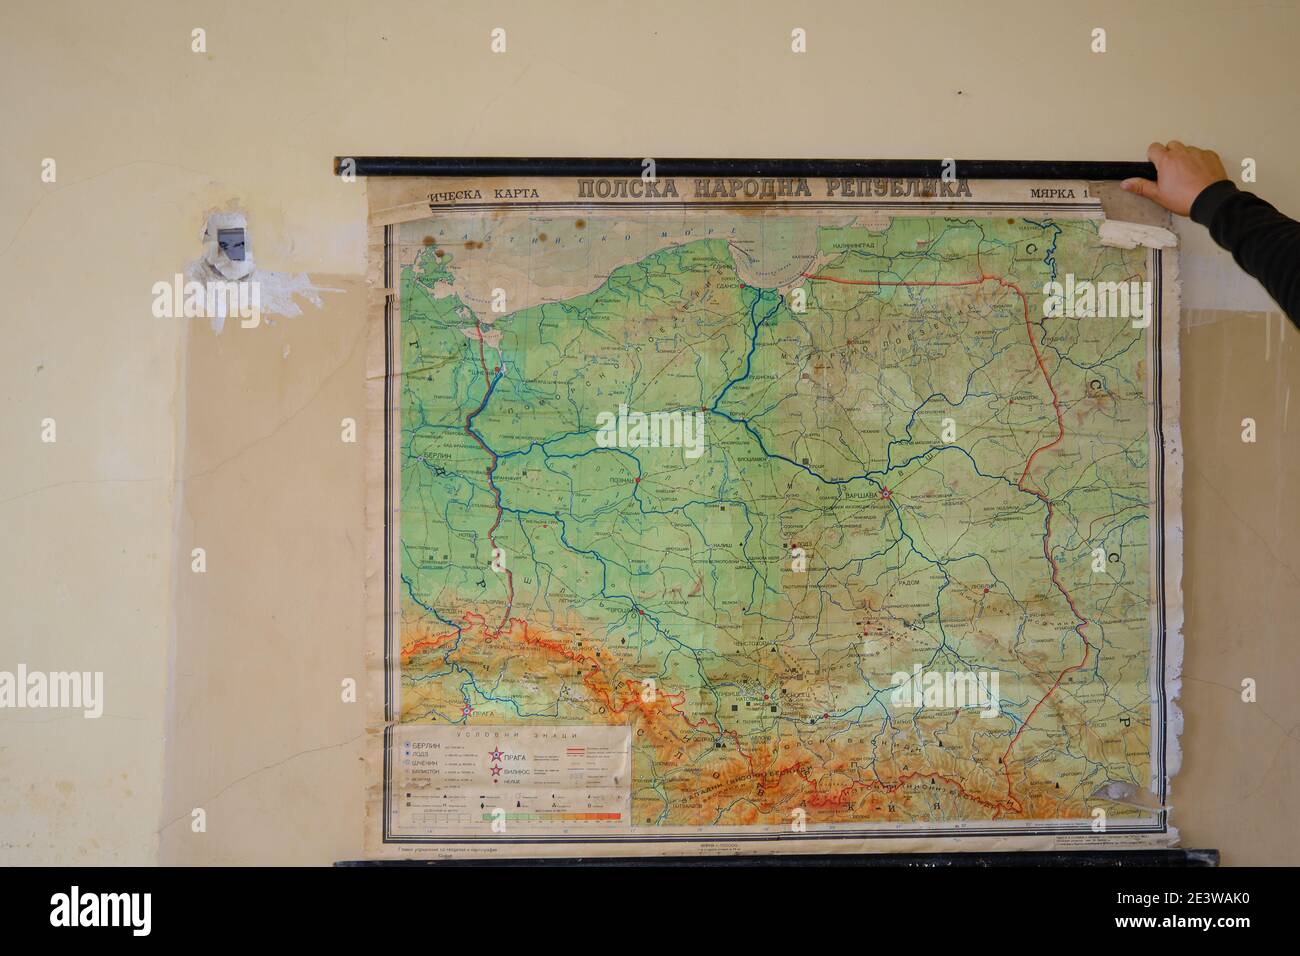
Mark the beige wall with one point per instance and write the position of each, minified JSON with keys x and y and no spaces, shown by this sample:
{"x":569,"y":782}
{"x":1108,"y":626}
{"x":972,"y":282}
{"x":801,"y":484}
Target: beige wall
{"x":172,"y":437}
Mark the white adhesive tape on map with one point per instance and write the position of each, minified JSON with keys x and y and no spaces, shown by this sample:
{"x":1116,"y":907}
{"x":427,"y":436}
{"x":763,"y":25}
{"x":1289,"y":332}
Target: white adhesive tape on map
{"x":1130,"y":235}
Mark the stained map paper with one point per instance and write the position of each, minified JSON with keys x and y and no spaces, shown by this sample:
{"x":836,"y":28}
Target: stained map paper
{"x":769,"y":515}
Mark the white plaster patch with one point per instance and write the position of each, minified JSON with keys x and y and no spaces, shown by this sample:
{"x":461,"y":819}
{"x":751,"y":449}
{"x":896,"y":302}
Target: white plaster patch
{"x":277,"y":290}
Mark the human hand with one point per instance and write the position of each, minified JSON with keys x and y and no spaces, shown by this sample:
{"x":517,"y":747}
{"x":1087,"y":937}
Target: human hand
{"x":1182,"y":172}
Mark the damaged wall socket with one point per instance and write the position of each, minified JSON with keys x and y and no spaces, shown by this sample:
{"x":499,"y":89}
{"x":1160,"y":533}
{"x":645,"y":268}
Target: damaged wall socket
{"x":231,"y":242}
{"x":226,"y":245}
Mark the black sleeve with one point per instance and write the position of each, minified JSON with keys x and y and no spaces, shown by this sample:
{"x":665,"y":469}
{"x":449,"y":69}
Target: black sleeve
{"x":1263,"y":241}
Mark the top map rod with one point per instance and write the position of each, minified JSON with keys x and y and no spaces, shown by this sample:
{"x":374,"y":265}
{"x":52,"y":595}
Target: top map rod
{"x":459,"y":166}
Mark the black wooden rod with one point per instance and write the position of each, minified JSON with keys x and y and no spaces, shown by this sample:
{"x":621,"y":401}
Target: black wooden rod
{"x":463,"y":166}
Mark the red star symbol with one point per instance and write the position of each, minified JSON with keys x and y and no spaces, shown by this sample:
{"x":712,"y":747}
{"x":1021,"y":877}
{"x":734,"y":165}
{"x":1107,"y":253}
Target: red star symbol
{"x":496,"y":771}
{"x":495,"y":754}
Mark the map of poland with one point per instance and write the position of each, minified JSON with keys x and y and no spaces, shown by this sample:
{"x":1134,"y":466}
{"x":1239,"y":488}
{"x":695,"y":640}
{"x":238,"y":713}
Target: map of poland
{"x":837,"y":518}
